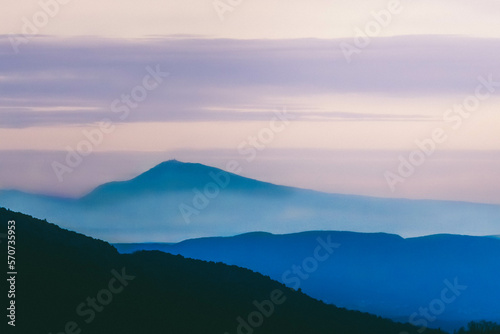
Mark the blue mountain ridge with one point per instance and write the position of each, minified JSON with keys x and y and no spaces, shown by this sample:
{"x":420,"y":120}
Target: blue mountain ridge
{"x":175,"y":201}
{"x":379,"y":273}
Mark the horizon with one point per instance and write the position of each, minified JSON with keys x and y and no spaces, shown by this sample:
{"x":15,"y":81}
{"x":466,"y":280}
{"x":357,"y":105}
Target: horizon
{"x":18,"y":173}
{"x":113,"y":181}
{"x":295,"y":233}
{"x":175,"y":201}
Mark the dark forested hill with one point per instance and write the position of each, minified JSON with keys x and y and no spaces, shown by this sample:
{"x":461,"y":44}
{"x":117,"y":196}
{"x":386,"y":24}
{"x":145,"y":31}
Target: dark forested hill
{"x":378,"y":273}
{"x":69,"y":283}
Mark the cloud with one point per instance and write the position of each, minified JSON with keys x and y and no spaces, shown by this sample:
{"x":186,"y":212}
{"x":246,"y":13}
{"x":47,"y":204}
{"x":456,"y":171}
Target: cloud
{"x":228,"y":80}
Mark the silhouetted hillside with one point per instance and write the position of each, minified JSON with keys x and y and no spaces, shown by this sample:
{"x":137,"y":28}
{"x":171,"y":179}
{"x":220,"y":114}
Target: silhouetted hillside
{"x":483,"y":327}
{"x":67,"y":280}
{"x":379,"y":273}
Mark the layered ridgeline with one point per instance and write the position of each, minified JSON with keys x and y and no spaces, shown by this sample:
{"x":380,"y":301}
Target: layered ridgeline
{"x":175,"y":201}
{"x":435,"y":281}
{"x":70,"y":283}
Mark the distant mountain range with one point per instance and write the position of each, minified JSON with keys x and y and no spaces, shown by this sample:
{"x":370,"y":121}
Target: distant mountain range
{"x":175,"y":201}
{"x":70,"y":283}
{"x":379,"y":273}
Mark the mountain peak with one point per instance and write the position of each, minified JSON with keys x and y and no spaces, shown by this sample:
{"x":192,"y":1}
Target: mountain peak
{"x":174,"y":175}
{"x":176,"y":169}
{"x":170,"y":165}
{"x":170,"y":162}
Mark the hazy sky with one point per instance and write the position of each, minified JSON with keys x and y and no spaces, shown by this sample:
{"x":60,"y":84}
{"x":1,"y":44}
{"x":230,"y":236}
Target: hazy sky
{"x":355,"y":104}
{"x":257,"y":18}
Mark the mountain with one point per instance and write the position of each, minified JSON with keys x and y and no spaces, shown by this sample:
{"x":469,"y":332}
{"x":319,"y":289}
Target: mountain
{"x":176,"y":176}
{"x":69,"y":283}
{"x":175,"y":201}
{"x":379,"y":273}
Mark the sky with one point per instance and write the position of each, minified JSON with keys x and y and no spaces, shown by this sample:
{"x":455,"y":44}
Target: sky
{"x":379,"y":98}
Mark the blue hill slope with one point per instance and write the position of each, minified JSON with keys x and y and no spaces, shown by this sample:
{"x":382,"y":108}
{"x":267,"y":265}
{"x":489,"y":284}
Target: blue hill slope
{"x":378,"y":273}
